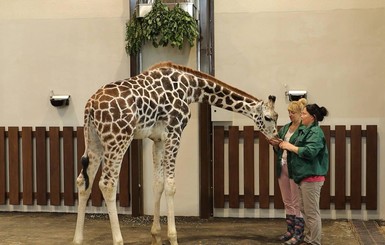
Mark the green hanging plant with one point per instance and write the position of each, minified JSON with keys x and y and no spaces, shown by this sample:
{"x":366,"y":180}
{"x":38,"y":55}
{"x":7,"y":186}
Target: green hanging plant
{"x":180,"y":26}
{"x":162,"y":27}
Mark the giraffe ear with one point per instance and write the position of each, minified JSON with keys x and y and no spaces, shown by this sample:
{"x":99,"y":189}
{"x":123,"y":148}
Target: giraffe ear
{"x":272,"y":99}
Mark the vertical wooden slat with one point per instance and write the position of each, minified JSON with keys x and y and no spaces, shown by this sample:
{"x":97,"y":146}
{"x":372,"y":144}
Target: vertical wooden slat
{"x":54,"y":150}
{"x":80,"y":147}
{"x":206,"y":199}
{"x":248,"y":140}
{"x":371,"y":167}
{"x":340,"y":170}
{"x":278,"y":202}
{"x":96,"y":194}
{"x":27,"y":155}
{"x":263,"y":172}
{"x":325,"y":191}
{"x":69,"y":166}
{"x":234,"y":167}
{"x":136,"y":156}
{"x":356,"y":167}
{"x":124,"y":182}
{"x":219,"y":169}
{"x":41,"y":166}
{"x":3,"y":179}
{"x":14,"y":166}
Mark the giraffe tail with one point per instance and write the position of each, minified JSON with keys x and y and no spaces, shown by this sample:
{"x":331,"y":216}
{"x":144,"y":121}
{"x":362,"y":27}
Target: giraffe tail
{"x":85,"y":160}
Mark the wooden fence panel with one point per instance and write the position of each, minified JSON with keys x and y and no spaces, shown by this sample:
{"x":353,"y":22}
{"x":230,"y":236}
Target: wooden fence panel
{"x":124,"y":183}
{"x":41,"y":166}
{"x":248,"y":170}
{"x":14,"y":167}
{"x":3,"y":175}
{"x":371,"y":167}
{"x":136,"y":161}
{"x":80,"y":147}
{"x":44,"y":159}
{"x":340,"y":167}
{"x":278,"y":202}
{"x":341,"y":139}
{"x":219,"y":169}
{"x":69,"y":166}
{"x":54,"y":170}
{"x":325,"y":199}
{"x":234,"y":167}
{"x":27,"y":156}
{"x":356,"y":163}
{"x":96,"y":195}
{"x":264,"y":176}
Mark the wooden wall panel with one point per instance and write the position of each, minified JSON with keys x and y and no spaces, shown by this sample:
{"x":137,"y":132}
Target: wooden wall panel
{"x":264,"y":172}
{"x":371,"y":167}
{"x":356,"y":167}
{"x":14,"y":165}
{"x":248,"y":170}
{"x":219,"y":169}
{"x":340,"y":167}
{"x":234,"y":167}
{"x":27,"y":156}
{"x":325,"y":199}
{"x":69,"y":166}
{"x":3,"y":163}
{"x":41,"y":166}
{"x":54,"y":166}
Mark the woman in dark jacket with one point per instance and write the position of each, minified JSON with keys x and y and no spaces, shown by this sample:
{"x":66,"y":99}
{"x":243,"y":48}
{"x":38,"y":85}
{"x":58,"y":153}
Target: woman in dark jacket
{"x":309,"y":166}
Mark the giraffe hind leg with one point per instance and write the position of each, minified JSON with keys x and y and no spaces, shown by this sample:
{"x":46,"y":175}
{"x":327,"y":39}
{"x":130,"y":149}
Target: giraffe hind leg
{"x":91,"y":161}
{"x":85,"y":178}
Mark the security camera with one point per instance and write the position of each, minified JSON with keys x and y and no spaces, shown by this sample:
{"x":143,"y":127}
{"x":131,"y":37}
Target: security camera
{"x":295,"y":95}
{"x":60,"y":100}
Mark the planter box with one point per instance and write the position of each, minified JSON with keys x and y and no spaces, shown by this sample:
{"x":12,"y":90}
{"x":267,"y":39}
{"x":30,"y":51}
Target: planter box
{"x":145,"y":6}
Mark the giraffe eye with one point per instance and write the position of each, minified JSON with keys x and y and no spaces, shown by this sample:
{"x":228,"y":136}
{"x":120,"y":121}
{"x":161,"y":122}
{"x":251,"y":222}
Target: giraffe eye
{"x":268,"y":119}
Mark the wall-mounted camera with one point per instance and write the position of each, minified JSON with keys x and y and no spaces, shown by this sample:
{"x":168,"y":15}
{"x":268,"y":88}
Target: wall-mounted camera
{"x":60,"y":100}
{"x":295,"y":95}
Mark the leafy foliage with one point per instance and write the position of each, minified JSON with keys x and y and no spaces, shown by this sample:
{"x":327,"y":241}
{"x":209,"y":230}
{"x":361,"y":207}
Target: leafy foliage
{"x":162,"y":27}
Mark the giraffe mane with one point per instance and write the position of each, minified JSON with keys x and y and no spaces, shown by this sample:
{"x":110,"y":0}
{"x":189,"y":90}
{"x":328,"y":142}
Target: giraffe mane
{"x":203,"y":75}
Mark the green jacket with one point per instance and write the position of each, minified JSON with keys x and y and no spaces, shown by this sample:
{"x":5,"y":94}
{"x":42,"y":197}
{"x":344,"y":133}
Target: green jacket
{"x":281,"y":134}
{"x":313,"y":156}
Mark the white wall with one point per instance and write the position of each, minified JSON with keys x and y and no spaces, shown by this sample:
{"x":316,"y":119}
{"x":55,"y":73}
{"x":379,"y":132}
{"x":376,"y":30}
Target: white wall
{"x":332,"y":49}
{"x":70,"y":47}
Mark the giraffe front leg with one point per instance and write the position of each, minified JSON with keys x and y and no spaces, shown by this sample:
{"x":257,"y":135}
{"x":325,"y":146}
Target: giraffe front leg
{"x":156,"y":229}
{"x":158,"y":187}
{"x":170,"y":190}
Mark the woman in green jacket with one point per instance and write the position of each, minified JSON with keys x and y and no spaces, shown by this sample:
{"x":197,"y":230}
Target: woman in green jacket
{"x":309,"y":166}
{"x":289,"y":189}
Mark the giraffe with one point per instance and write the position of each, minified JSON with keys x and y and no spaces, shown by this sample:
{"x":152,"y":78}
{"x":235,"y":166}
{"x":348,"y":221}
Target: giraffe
{"x":154,"y":105}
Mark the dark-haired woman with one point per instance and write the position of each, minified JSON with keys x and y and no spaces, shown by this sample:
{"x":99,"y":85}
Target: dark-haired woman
{"x":310,"y":164}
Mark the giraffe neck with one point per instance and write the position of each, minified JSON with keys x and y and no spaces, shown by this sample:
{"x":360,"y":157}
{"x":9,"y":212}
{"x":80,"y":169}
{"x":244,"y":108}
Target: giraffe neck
{"x":196,"y":86}
{"x":226,"y":97}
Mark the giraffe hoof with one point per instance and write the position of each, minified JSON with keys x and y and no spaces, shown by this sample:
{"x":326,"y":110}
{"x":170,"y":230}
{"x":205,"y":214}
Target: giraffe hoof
{"x":156,"y":240}
{"x":77,"y":242}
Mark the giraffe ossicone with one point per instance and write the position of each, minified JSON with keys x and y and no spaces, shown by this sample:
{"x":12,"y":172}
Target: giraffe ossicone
{"x":155,"y":105}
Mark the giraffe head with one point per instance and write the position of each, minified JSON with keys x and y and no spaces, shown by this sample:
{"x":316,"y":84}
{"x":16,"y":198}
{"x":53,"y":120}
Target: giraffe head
{"x":266,"y":118}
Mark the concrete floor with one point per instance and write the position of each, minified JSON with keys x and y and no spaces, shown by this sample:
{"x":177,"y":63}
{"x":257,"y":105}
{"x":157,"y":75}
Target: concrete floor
{"x":57,"y":228}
